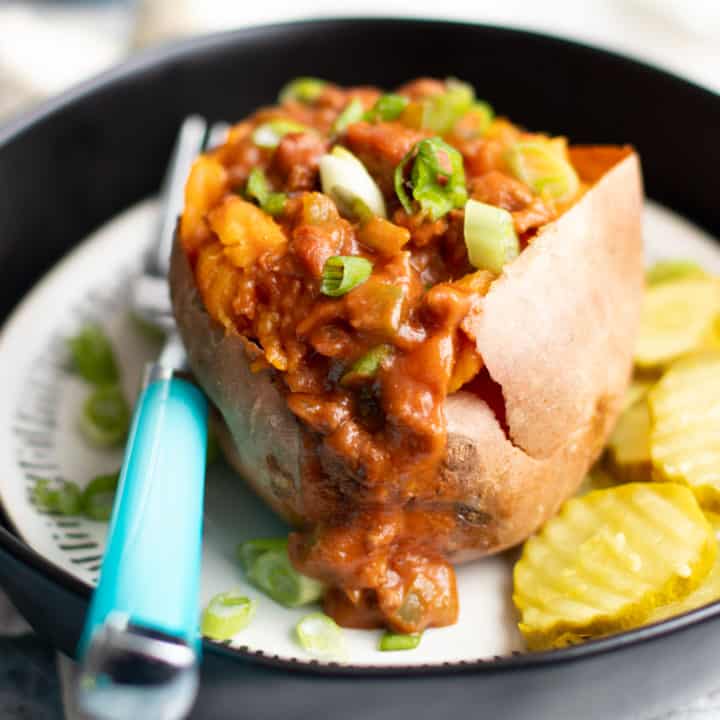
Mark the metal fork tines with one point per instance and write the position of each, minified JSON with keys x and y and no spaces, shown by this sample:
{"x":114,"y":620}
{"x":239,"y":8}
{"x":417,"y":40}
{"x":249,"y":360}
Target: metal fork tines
{"x":149,"y":293}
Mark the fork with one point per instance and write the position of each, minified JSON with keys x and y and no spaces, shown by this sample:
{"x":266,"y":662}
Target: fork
{"x":140,"y":646}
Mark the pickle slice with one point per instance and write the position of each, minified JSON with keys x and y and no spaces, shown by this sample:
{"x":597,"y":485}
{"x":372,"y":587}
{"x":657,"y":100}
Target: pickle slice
{"x":676,"y":319}
{"x":629,"y":445}
{"x":711,"y":340}
{"x":708,"y":591}
{"x":670,"y":270}
{"x":685,"y":439}
{"x":608,"y":559}
{"x":639,"y":388}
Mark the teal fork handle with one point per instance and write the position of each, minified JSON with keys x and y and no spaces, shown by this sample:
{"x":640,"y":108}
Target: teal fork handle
{"x":151,"y":570}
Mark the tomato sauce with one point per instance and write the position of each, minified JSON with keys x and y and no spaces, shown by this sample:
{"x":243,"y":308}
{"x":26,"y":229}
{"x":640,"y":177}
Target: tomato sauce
{"x":374,"y":443}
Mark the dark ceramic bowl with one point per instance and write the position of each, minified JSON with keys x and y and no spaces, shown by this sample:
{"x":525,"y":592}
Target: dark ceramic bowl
{"x":80,"y":159}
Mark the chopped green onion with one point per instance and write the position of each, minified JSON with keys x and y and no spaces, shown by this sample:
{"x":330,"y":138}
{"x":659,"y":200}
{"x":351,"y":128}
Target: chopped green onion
{"x":437,"y":178}
{"x":249,"y":551}
{"x":367,"y":366}
{"x":543,"y":170}
{"x":319,"y":635}
{"x":105,"y":416}
{"x":93,"y":356}
{"x":226,"y":615}
{"x":95,"y":501}
{"x":269,"y":134}
{"x":69,"y":500}
{"x":275,"y":203}
{"x":342,"y":273}
{"x":257,"y":185}
{"x":44,"y":497}
{"x":64,"y":500}
{"x":440,"y":112}
{"x":98,"y":497}
{"x":258,"y":188}
{"x":669,"y":270}
{"x":476,"y":121}
{"x":387,"y":107}
{"x":344,"y":154}
{"x":350,"y":205}
{"x":490,"y":236}
{"x":273,"y":573}
{"x":393,"y":641}
{"x":351,"y":114}
{"x":350,"y":186}
{"x":302,"y":89}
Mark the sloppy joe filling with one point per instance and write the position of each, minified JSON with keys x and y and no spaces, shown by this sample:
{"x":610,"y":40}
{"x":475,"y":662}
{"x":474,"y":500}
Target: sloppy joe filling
{"x":365,"y":370}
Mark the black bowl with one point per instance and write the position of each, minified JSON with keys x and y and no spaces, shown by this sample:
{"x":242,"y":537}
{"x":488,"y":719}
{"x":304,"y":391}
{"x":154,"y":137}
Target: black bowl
{"x":78,"y":160}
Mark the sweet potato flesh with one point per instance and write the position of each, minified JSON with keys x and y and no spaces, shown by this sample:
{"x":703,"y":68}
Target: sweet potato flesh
{"x":376,"y":435}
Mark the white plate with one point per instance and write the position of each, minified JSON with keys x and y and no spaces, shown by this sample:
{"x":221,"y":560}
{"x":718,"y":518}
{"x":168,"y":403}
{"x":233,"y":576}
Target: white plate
{"x":39,"y":439}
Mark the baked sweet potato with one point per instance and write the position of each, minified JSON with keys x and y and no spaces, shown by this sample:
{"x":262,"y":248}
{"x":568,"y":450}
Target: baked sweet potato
{"x":554,"y":335}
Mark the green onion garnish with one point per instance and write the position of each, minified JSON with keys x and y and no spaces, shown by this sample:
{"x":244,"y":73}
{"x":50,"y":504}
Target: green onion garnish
{"x":269,"y":134}
{"x":258,"y":188}
{"x":351,"y":114}
{"x":95,"y":501}
{"x":350,"y":186}
{"x":437,"y":178}
{"x":393,"y":641}
{"x":441,"y":112}
{"x":670,"y":270}
{"x":490,"y":236}
{"x":273,"y":573}
{"x":366,"y":367}
{"x":249,"y":551}
{"x":541,"y":167}
{"x":342,"y":273}
{"x":98,"y":497}
{"x":105,"y":416}
{"x":387,"y":107}
{"x":64,"y":500}
{"x":476,"y":121}
{"x":302,"y":89}
{"x":319,"y":635}
{"x":93,"y":356}
{"x":226,"y":615}
{"x":43,"y":496}
{"x":69,"y":499}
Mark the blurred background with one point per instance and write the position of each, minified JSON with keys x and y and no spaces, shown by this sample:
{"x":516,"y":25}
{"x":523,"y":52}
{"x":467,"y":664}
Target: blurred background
{"x":48,"y":46}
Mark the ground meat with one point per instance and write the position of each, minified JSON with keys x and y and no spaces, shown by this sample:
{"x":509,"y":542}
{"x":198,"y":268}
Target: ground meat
{"x":381,"y":147}
{"x":497,"y":188}
{"x":296,"y":159}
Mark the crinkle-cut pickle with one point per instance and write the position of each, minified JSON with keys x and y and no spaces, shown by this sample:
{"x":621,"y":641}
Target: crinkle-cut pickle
{"x":708,"y":591}
{"x":608,"y":559}
{"x":629,"y":444}
{"x":677,"y":318}
{"x":638,"y":390}
{"x":685,"y":437}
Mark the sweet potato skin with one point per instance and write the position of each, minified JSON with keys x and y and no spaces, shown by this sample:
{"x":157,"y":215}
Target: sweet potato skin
{"x":556,"y":331}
